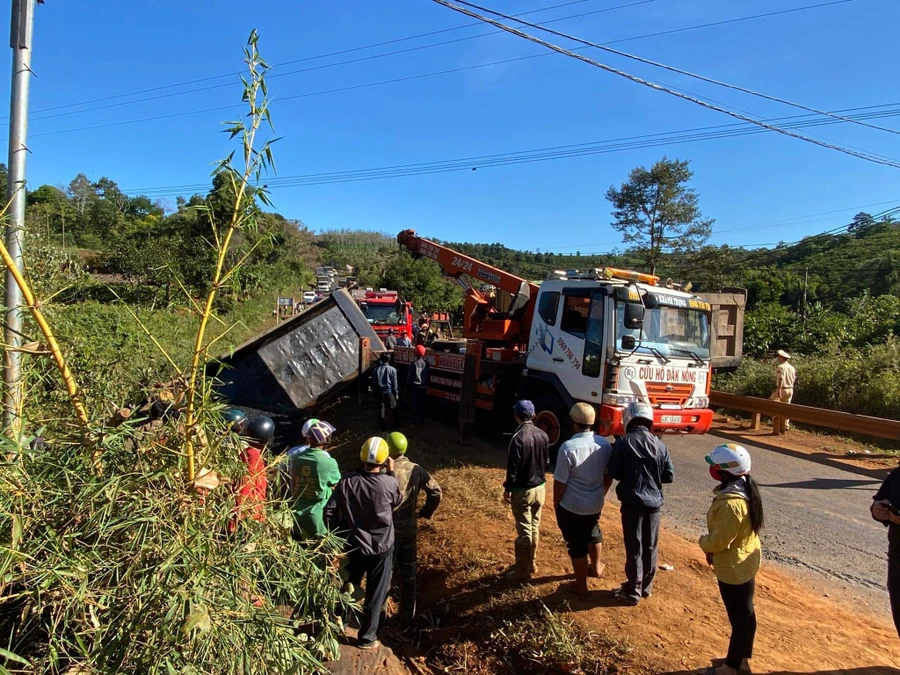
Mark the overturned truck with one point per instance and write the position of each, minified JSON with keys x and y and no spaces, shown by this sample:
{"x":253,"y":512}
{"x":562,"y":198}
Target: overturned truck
{"x":301,"y":363}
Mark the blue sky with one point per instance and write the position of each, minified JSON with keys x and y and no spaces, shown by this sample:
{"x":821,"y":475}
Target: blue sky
{"x":760,"y":188}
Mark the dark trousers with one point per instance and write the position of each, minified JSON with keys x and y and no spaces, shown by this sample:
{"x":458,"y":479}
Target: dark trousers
{"x":406,"y":559}
{"x":893,"y":583}
{"x":738,"y":601}
{"x":388,"y":413}
{"x":578,"y":531}
{"x":418,"y":400}
{"x":640,"y":531}
{"x":377,"y":569}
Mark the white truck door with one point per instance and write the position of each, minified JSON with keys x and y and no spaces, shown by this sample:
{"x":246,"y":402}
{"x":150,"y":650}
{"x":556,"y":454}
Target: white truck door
{"x":572,"y":347}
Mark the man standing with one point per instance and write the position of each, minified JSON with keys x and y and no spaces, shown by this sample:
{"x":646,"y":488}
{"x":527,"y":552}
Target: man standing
{"x":313,"y":475}
{"x":642,"y":465}
{"x":412,"y":479}
{"x":365,"y":501}
{"x":785,"y":379}
{"x":390,"y":342}
{"x":384,"y":384}
{"x":417,"y":379}
{"x":527,"y":461}
{"x":886,"y":509}
{"x":579,"y":492}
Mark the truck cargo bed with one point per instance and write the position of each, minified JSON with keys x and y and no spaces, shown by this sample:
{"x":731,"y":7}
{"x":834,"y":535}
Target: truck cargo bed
{"x":302,"y":362}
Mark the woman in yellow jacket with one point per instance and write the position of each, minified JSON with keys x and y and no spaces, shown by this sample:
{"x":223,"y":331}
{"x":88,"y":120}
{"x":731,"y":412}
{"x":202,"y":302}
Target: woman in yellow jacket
{"x":732,"y":548}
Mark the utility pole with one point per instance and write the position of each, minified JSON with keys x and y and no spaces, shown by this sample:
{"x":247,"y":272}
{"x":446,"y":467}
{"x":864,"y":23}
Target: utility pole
{"x":805,"y":284}
{"x":22,"y":28}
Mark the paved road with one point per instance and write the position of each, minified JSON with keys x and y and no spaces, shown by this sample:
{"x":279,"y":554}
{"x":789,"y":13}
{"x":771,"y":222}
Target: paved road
{"x":817,"y":512}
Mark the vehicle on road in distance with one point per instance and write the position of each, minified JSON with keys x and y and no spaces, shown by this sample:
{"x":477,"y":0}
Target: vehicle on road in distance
{"x":604,"y":336}
{"x":309,"y":297}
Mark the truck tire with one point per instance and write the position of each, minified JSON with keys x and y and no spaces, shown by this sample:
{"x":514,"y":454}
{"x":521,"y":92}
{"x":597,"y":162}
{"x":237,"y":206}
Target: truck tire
{"x":552,"y":416}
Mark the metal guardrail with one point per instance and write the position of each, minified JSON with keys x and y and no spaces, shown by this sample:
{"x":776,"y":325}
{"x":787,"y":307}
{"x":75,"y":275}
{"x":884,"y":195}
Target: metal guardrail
{"x":819,"y":417}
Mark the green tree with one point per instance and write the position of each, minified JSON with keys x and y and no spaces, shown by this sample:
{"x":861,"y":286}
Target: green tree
{"x":658,"y":213}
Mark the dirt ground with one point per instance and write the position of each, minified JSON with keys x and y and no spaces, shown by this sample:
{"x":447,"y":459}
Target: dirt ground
{"x":473,"y":621}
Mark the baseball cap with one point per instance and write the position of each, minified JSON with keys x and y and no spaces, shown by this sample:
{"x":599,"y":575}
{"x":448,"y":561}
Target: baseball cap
{"x":524,"y":406}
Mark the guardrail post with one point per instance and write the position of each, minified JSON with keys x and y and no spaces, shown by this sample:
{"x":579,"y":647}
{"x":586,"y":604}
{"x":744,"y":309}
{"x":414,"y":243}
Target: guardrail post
{"x":780,"y":426}
{"x":755,"y":421}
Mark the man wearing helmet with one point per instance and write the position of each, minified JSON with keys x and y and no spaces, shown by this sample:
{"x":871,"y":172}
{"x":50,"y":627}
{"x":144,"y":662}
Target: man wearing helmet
{"x":412,"y":479}
{"x":417,"y":378}
{"x":313,"y":475}
{"x":364,"y":500}
{"x":251,"y":492}
{"x":642,"y":465}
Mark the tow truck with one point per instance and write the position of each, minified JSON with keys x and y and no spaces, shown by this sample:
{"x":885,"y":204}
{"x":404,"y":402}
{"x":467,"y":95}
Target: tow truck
{"x":604,"y":336}
{"x":385,"y":309}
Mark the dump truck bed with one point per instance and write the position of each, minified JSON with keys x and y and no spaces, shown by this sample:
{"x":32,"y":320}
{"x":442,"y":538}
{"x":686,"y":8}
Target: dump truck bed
{"x":302,"y":362}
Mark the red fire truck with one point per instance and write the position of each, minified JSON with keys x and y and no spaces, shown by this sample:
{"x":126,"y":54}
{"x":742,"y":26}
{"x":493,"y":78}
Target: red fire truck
{"x":385,"y":310}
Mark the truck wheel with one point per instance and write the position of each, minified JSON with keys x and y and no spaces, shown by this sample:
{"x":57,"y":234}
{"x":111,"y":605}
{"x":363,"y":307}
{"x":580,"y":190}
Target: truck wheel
{"x":552,"y":416}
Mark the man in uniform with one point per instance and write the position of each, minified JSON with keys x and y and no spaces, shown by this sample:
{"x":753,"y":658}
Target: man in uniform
{"x":785,"y":379}
{"x":527,"y":461}
{"x":418,"y":376}
{"x":412,"y":479}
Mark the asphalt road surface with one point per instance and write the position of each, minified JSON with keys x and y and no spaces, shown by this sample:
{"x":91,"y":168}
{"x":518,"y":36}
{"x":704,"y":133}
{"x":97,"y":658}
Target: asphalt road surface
{"x":817,"y":513}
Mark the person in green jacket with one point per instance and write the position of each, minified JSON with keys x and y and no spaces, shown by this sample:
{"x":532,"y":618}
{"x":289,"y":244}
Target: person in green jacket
{"x":313,"y":473}
{"x":732,"y":547}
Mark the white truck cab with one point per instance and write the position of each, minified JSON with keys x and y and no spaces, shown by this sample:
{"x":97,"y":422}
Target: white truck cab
{"x":611,"y":341}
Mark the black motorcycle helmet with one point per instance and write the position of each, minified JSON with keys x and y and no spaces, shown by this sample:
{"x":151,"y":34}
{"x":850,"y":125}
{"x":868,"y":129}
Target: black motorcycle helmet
{"x":236,"y":419}
{"x":261,"y":429}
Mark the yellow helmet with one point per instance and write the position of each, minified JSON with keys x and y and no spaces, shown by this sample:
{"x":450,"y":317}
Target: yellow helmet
{"x":374,"y":451}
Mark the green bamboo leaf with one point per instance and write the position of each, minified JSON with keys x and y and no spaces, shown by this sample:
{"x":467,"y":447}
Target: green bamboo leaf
{"x":16,"y":532}
{"x":9,"y":656}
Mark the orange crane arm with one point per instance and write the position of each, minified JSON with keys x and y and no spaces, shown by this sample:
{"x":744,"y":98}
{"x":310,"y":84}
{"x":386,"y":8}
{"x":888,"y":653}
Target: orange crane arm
{"x":511,"y":330}
{"x":456,"y":264}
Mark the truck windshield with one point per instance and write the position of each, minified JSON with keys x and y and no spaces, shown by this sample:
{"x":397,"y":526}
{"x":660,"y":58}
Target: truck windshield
{"x":675,"y":332}
{"x":383,"y":314}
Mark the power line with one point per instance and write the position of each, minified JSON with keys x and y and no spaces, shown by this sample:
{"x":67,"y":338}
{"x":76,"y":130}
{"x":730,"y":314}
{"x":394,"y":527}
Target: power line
{"x":541,"y":154}
{"x":348,"y":61}
{"x":667,"y":67}
{"x":401,"y":79}
{"x":657,"y":87}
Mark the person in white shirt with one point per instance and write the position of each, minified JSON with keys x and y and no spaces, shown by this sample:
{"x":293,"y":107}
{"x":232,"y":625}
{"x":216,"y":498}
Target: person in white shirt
{"x":579,"y":491}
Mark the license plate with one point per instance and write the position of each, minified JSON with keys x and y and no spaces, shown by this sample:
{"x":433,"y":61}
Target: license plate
{"x":671,"y":419}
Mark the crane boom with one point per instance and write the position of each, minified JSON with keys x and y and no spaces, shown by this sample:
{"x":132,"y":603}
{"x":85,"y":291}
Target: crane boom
{"x":482,"y":321}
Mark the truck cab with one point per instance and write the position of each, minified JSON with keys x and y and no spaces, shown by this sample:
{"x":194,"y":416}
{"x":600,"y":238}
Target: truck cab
{"x":385,"y":310}
{"x":609,"y":342}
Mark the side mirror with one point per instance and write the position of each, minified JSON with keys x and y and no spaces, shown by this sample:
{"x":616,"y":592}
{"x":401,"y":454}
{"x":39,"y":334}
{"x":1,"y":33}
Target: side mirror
{"x":634,"y":315}
{"x":628,"y":342}
{"x":650,"y":301}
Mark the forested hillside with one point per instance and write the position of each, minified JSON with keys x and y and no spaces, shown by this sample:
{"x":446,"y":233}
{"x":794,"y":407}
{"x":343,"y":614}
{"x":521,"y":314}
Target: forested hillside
{"x":102,"y":255}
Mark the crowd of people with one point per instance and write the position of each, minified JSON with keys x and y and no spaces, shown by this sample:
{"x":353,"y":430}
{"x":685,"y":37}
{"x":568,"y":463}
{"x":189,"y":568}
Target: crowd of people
{"x":373,"y":508}
{"x":586,"y":467}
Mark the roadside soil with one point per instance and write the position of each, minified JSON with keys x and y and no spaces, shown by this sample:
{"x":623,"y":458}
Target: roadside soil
{"x":471,"y":620}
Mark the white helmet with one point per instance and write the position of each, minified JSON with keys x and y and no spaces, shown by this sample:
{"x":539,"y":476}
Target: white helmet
{"x":732,"y":458}
{"x":637,"y":410}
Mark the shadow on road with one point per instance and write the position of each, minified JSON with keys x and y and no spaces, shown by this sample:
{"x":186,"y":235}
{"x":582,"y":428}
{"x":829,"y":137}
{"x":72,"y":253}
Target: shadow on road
{"x":827,"y":484}
{"x":822,"y":458}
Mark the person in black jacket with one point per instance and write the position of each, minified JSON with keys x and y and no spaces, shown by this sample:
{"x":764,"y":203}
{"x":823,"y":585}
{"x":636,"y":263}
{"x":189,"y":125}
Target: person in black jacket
{"x":886,"y":510}
{"x":642,"y":465}
{"x":527,"y":461}
{"x":365,"y":501}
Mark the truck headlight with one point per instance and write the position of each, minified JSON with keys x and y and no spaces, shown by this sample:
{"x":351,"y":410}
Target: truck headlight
{"x":698,"y":402}
{"x":617,"y":399}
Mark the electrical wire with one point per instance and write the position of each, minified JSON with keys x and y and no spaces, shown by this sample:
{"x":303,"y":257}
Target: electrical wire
{"x":393,"y":81}
{"x":653,"y":140}
{"x":657,"y":87}
{"x":667,"y":67}
{"x":293,"y":61}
